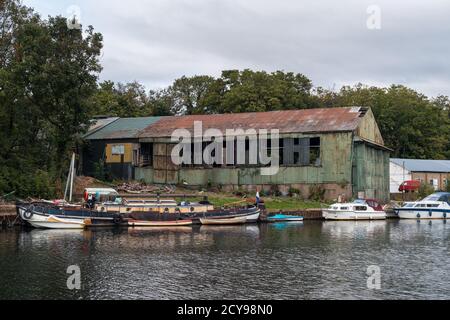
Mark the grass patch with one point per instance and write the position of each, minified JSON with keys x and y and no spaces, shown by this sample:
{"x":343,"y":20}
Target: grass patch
{"x":272,"y":203}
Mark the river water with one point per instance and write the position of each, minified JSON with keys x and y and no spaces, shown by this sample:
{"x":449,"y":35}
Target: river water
{"x":310,"y":260}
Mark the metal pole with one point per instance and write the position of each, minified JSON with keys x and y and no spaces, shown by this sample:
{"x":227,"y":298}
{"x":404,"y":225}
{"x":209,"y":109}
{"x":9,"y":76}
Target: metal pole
{"x":71,"y":176}
{"x":68,"y":181}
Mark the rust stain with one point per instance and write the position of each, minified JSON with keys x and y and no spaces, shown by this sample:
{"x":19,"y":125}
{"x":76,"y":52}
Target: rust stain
{"x":287,"y":121}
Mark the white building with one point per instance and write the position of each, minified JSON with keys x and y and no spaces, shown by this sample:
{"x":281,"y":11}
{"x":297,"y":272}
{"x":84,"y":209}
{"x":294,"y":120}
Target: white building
{"x":397,"y":174}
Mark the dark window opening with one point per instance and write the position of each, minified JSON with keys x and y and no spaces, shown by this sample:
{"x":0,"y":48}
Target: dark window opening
{"x":146,"y":155}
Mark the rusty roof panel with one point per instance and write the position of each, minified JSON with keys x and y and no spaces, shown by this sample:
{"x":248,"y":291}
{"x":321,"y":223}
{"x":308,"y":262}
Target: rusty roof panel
{"x":287,"y":121}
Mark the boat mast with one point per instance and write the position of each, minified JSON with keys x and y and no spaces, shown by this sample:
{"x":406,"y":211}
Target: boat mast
{"x":72,"y":170}
{"x":70,"y":178}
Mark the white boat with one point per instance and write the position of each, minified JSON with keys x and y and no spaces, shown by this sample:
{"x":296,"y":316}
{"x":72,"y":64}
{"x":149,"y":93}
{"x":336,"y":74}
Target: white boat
{"x":435,"y":206}
{"x":361,"y":209}
{"x":50,"y":221}
{"x":223,"y":221}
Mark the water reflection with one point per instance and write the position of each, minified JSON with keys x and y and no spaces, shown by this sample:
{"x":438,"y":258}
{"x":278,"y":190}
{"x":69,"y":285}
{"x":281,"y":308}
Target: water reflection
{"x":306,"y":260}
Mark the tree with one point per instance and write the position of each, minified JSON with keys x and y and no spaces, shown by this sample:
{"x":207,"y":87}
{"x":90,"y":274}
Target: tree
{"x":410,"y":123}
{"x":188,"y":94}
{"x":250,"y":91}
{"x":48,"y":74}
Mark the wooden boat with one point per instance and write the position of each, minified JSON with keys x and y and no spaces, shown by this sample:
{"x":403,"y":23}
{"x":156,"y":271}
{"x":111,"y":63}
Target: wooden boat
{"x":223,"y":221}
{"x":173,"y":223}
{"x":284,"y":218}
{"x":250,"y":213}
{"x":45,"y":215}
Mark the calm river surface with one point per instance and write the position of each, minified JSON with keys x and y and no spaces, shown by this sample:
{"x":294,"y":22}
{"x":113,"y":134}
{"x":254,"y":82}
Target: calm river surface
{"x":310,"y":260}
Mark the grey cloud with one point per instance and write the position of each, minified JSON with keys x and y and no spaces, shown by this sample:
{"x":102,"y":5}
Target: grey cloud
{"x":156,"y":41}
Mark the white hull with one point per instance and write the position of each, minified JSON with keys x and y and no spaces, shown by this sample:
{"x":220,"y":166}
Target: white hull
{"x":52,"y":222}
{"x":252,"y":218}
{"x":421,"y":214}
{"x":224,"y":221}
{"x":353,"y":215}
{"x":435,"y":206}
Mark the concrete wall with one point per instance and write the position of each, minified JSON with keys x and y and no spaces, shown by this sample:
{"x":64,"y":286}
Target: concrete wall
{"x":397,"y":175}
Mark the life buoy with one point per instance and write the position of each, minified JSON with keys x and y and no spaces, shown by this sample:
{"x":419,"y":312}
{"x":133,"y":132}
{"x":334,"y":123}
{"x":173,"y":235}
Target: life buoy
{"x":192,"y":209}
{"x":28,"y":214}
{"x":117,"y":219}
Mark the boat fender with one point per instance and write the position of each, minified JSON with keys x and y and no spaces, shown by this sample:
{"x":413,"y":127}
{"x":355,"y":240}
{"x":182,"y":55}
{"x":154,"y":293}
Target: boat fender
{"x":192,"y":209}
{"x":117,"y":219}
{"x":445,"y":215}
{"x":418,"y":215}
{"x":430,"y":213}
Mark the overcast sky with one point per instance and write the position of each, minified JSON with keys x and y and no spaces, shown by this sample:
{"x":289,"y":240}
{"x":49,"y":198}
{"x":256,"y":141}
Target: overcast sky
{"x":157,"y":41}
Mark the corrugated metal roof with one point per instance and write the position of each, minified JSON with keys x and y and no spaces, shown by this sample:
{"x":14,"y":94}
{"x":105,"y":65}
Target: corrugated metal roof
{"x":418,"y":165}
{"x":122,"y":128}
{"x":97,"y":124}
{"x":287,"y":121}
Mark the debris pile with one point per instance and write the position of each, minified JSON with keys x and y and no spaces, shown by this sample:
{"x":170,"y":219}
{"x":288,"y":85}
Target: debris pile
{"x":139,"y":187}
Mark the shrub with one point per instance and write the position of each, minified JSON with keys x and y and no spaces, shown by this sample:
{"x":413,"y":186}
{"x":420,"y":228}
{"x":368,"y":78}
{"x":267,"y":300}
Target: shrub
{"x":294,"y":191}
{"x":425,"y":189}
{"x":316,"y":192}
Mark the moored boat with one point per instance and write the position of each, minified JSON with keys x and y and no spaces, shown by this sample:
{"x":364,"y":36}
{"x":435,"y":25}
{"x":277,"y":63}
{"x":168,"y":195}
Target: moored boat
{"x":435,"y":206}
{"x":250,"y":214}
{"x":45,"y":215}
{"x":158,"y":223}
{"x":223,"y":221}
{"x":284,"y":218}
{"x":360,"y":209}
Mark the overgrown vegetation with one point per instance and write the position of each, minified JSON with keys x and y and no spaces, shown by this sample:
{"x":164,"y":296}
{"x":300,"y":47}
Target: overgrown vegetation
{"x":425,"y":189}
{"x":49,"y":90}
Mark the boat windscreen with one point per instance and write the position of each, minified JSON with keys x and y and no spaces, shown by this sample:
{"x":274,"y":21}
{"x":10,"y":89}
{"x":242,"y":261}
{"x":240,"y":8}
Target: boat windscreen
{"x":432,"y":197}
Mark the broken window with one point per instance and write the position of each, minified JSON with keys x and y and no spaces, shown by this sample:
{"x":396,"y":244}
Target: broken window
{"x":146,"y":155}
{"x":300,"y":151}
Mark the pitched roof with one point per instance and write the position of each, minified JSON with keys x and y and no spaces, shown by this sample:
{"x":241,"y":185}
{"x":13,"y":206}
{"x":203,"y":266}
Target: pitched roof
{"x":99,"y":123}
{"x":122,"y":128}
{"x":287,"y":121}
{"x":418,"y":165}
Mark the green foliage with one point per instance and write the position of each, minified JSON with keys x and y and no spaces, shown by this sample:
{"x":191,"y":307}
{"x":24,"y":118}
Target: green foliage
{"x":425,"y":189}
{"x":316,"y":192}
{"x":48,"y":73}
{"x":294,"y":192}
{"x":100,"y":171}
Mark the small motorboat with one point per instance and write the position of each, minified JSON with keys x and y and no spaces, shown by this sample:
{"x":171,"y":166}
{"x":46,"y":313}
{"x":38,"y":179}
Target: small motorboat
{"x":435,"y":206}
{"x":223,"y":221}
{"x":360,"y":209}
{"x":284,"y":218}
{"x":53,"y":222}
